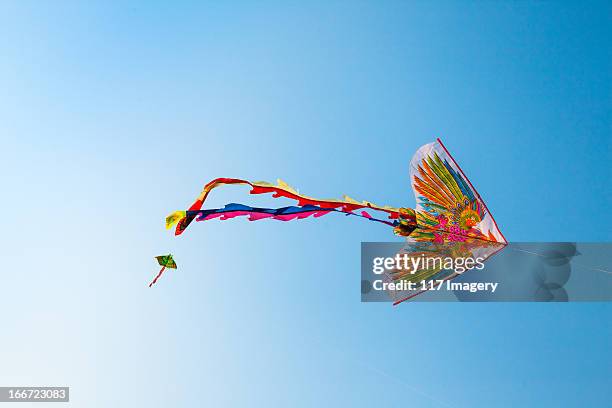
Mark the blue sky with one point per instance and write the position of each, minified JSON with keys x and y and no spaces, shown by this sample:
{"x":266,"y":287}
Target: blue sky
{"x":113,"y":115}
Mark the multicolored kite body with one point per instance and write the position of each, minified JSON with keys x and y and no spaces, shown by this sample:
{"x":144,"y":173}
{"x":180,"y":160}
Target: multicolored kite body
{"x":449,"y":209}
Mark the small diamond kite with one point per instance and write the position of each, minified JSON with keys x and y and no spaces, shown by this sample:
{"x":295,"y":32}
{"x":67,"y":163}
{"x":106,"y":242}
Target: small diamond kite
{"x":166,"y":261}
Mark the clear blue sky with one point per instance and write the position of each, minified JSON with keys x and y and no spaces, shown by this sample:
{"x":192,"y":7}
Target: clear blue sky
{"x":114,"y":114}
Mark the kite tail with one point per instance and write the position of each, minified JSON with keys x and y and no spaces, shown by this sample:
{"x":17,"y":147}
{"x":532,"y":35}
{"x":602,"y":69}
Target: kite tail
{"x":158,"y":275}
{"x":280,"y":214}
{"x":182,"y":219}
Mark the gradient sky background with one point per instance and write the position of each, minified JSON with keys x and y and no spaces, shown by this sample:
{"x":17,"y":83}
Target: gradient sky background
{"x":114,"y":114}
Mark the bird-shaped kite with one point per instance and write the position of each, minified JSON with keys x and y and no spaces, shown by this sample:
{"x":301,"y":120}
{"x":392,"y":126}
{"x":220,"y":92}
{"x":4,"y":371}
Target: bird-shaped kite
{"x":449,"y":209}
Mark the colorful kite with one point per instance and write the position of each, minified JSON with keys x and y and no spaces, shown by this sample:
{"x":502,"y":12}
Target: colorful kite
{"x":449,"y":209}
{"x":165,"y":261}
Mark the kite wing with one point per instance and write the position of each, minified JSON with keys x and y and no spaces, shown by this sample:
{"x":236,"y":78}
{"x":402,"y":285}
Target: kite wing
{"x":436,"y":271}
{"x":448,"y":206}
